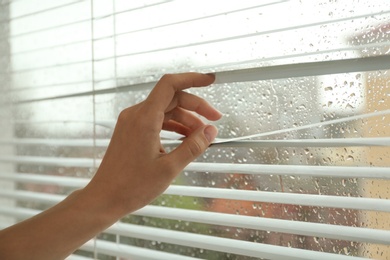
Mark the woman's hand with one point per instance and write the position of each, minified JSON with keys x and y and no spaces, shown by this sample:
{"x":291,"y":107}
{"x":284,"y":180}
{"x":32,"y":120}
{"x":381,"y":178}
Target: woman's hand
{"x":135,"y":168}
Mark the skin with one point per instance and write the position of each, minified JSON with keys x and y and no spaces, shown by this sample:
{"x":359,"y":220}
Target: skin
{"x":134,"y":171}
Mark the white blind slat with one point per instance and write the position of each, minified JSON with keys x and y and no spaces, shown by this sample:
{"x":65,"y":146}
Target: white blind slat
{"x":364,"y":235}
{"x":296,"y":170}
{"x":264,"y":73}
{"x":270,"y":224}
{"x":306,"y":69}
{"x":45,"y":179}
{"x":122,"y":250}
{"x":22,"y":9}
{"x":327,"y":142}
{"x":69,"y":142}
{"x":78,"y":257}
{"x":220,"y":244}
{"x":208,"y":242}
{"x":258,"y":169}
{"x":357,"y":203}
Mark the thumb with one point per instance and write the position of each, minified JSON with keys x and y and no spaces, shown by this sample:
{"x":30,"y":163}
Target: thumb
{"x":193,"y":146}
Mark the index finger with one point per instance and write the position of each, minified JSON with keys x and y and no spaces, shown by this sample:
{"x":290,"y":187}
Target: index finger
{"x":164,"y":91}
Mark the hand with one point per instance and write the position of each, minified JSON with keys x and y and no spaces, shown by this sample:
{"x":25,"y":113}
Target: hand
{"x":135,"y":168}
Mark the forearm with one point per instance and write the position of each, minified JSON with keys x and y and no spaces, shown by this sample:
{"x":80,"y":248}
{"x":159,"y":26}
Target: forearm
{"x":57,"y":232}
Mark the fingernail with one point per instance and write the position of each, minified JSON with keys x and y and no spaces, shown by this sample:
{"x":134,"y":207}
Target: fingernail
{"x":211,"y":74}
{"x":220,"y":113}
{"x":210,"y":132}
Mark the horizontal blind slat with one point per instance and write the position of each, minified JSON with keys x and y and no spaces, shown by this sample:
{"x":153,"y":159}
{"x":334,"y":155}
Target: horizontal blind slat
{"x":357,"y":203}
{"x":255,"y":169}
{"x":208,"y":242}
{"x":122,"y":250}
{"x":326,"y":142}
{"x":270,"y":224}
{"x":50,"y":161}
{"x":219,"y":244}
{"x":18,"y":212}
{"x":47,"y":198}
{"x":22,"y":12}
{"x":305,"y":69}
{"x":258,"y":223}
{"x":62,"y":181}
{"x":296,"y":170}
{"x":58,"y":142}
{"x":262,"y":73}
{"x":78,"y":257}
{"x":62,"y":62}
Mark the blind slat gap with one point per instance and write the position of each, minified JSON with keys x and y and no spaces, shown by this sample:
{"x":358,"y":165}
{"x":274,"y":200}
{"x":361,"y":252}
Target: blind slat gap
{"x":358,"y":234}
{"x":308,"y":126}
{"x":328,"y":201}
{"x":335,"y":142}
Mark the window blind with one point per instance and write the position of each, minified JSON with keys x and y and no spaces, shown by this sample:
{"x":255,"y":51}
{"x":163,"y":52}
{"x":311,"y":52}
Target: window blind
{"x":301,"y":166}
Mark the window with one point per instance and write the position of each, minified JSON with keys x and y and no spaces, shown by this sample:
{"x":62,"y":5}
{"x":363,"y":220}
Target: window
{"x":308,"y":81}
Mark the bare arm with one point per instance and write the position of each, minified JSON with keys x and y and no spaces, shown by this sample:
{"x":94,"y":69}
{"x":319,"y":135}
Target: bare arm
{"x":134,"y":171}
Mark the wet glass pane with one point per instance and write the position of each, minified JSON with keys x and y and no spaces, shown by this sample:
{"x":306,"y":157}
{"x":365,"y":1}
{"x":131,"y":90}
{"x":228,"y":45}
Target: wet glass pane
{"x":68,"y":69}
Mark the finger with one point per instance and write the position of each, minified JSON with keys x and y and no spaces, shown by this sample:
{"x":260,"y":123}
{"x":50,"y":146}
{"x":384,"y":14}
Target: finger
{"x":194,"y":103}
{"x":164,"y":91}
{"x":176,"y":127}
{"x":191,"y":147}
{"x":185,"y":118}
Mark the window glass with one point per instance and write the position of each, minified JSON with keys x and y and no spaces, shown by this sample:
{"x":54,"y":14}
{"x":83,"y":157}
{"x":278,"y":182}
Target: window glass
{"x":66,"y":68}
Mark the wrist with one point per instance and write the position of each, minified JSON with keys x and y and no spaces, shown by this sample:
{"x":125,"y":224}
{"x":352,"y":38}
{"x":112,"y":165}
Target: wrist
{"x":99,"y":200}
